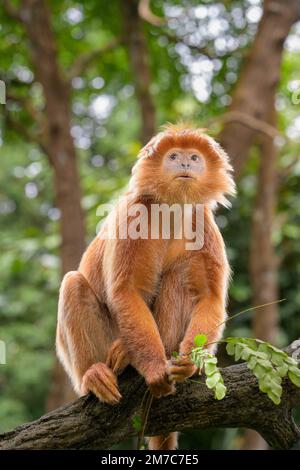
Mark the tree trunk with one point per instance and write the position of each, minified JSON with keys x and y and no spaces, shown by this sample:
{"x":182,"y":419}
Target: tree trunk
{"x":263,"y":260}
{"x":60,"y":150}
{"x":258,"y":79}
{"x":134,"y":37}
{"x":253,"y":98}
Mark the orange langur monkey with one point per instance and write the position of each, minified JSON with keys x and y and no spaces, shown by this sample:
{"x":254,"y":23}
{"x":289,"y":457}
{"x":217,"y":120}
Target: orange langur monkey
{"x":135,"y":301}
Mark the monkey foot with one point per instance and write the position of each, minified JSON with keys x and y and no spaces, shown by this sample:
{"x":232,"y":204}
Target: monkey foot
{"x":117,"y":359}
{"x":102,"y":382}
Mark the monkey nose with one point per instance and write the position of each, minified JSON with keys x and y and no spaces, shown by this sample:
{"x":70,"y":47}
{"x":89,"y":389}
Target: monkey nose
{"x":185,"y":165}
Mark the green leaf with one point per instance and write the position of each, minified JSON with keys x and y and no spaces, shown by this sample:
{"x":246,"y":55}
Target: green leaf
{"x":211,"y":360}
{"x":251,"y":343}
{"x":264,"y":348}
{"x":294,"y":376}
{"x":282,"y":370}
{"x":246,"y":353}
{"x":212,"y":380}
{"x":137,"y":422}
{"x":220,"y":391}
{"x":259,"y":371}
{"x":265,"y":363}
{"x":275,"y":399}
{"x":252,"y":362}
{"x":277,"y":358}
{"x":275,"y":376}
{"x":264,"y":384}
{"x":175,"y":354}
{"x":210,"y":368}
{"x":200,"y":340}
{"x":289,"y":360}
{"x":238,"y":352}
{"x":267,"y":384}
{"x":295,"y":370}
{"x":268,"y":363}
{"x":230,"y":348}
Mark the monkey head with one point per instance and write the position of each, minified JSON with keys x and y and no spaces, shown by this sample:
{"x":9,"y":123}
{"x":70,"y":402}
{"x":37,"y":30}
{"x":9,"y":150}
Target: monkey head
{"x":183,"y":165}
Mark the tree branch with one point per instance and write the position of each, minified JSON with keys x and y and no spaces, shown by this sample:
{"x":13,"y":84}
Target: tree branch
{"x":20,"y":128}
{"x":257,"y":125}
{"x":88,"y":424}
{"x":147,"y":15}
{"x":85,"y":59}
{"x":254,"y":91}
{"x":27,"y":105}
{"x":12,"y":11}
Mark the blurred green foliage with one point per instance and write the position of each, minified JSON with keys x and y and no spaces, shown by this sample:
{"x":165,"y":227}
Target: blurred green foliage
{"x":106,"y":123}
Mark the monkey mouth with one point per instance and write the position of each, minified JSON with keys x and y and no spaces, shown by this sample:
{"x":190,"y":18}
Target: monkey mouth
{"x":184,"y":177}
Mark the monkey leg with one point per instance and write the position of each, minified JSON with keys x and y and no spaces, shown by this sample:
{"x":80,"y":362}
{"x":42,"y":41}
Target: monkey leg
{"x":85,"y":334}
{"x":163,"y":442}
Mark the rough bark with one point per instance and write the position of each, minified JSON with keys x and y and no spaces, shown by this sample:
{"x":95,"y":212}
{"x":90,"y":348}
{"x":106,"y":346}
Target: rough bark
{"x":134,"y":38}
{"x":59,"y":147}
{"x":59,"y":144}
{"x":259,"y":78}
{"x":263,"y":260}
{"x":249,"y":114}
{"x":88,"y":424}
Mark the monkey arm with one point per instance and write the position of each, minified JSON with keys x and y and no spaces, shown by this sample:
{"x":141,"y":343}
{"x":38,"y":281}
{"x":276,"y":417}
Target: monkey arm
{"x":126,"y":280}
{"x":138,"y":330}
{"x":207,"y":315}
{"x":210,"y":273}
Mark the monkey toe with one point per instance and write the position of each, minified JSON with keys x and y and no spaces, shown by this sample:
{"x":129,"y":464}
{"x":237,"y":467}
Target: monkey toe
{"x":117,"y":358}
{"x":102,"y":382}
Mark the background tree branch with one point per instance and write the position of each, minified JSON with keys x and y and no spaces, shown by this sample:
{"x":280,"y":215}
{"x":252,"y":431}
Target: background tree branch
{"x":138,"y":54}
{"x":254,"y":92}
{"x":146,"y":14}
{"x":88,"y":424}
{"x":84,"y":60}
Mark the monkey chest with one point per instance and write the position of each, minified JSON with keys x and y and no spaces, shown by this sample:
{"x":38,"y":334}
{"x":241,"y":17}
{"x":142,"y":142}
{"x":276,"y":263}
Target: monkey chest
{"x":181,"y":278}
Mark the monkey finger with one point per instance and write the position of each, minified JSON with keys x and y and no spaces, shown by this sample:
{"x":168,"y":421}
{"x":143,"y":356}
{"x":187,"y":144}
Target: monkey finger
{"x":180,"y":373}
{"x":108,"y":387}
{"x":120,"y":364}
{"x":180,"y":361}
{"x":106,"y":374}
{"x":102,"y":381}
{"x":159,"y":390}
{"x":175,"y":369}
{"x":110,"y":382}
{"x":117,"y":358}
{"x":105,"y":394}
{"x":100,"y":391}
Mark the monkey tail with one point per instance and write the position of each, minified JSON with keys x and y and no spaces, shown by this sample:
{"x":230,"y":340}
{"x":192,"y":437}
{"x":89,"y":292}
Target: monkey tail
{"x":163,"y":442}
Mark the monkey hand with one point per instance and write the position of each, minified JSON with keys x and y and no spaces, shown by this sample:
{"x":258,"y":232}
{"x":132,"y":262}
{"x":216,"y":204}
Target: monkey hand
{"x":181,"y":368}
{"x":102,"y":382}
{"x":158,"y":381}
{"x":117,"y":359}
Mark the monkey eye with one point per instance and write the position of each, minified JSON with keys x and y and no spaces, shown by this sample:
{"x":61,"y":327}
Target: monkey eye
{"x":173,"y":156}
{"x":194,"y":158}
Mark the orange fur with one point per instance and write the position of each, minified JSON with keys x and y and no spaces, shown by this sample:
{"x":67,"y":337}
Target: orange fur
{"x":138,"y":300}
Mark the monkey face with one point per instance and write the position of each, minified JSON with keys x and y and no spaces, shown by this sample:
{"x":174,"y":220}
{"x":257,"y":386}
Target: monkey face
{"x":183,"y":165}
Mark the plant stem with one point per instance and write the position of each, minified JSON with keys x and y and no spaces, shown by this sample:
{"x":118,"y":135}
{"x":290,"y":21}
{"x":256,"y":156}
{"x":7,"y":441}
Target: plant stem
{"x":244,"y":311}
